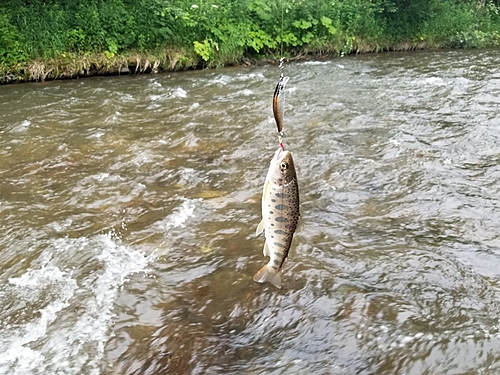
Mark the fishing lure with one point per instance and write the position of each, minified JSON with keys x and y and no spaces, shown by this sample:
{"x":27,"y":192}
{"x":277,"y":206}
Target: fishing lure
{"x":278,"y":102}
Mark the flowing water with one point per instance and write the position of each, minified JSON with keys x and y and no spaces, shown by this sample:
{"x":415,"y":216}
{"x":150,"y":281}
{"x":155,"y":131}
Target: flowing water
{"x":129,"y":207}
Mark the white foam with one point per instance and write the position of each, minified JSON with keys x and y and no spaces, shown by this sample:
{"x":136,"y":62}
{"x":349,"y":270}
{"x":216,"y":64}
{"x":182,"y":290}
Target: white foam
{"x":221,"y":80}
{"x":97,"y":134}
{"x":434,"y":81}
{"x":155,"y":98}
{"x":245,"y":92}
{"x":23,"y":126}
{"x":30,"y":289}
{"x":179,"y":93}
{"x":181,"y":215}
{"x":194,"y":106}
{"x":316,"y":62}
{"x":69,"y":334}
{"x":249,"y":77}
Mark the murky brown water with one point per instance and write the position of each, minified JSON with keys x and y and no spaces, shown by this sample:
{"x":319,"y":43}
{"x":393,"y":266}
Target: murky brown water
{"x":129,"y":207}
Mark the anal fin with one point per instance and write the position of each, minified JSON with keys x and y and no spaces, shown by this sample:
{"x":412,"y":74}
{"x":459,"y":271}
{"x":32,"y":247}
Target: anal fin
{"x":266,"y":251}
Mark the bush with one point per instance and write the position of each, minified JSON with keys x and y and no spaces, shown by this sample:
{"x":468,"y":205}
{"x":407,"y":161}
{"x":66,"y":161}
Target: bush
{"x":11,"y":43}
{"x":223,"y":31}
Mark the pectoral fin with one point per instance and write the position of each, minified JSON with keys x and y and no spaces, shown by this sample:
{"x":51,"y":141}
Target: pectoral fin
{"x":260,"y":228}
{"x":265,"y":191}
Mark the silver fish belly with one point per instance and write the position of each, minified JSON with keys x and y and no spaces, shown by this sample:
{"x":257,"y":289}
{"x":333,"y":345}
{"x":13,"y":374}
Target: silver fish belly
{"x":280,"y":215}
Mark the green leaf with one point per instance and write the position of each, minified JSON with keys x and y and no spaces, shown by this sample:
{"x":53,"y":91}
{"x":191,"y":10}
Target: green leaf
{"x":308,"y":37}
{"x":290,"y":39}
{"x":259,"y":39}
{"x":302,"y":24}
{"x":327,"y":23}
{"x":204,"y":50}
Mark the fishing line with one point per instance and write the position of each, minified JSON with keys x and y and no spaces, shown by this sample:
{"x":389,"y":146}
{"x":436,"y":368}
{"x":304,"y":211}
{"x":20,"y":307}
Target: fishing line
{"x":282,"y":68}
{"x":278,"y":97}
{"x":281,"y":53}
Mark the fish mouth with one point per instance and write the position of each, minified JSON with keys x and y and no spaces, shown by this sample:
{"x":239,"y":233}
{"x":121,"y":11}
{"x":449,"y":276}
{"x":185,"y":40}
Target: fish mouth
{"x":280,"y":154}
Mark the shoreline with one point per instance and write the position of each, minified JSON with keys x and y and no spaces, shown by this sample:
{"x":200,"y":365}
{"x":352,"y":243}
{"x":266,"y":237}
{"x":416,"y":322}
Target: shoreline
{"x":72,"y":66}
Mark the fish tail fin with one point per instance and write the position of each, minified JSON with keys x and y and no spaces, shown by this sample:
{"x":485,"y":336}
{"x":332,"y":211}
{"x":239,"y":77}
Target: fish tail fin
{"x":264,"y":275}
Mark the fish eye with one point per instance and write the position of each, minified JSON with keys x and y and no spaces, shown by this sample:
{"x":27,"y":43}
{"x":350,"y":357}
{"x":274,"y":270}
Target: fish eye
{"x":284,"y":165}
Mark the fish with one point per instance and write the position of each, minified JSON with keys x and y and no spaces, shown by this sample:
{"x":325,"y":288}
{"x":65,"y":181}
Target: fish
{"x":280,"y":215}
{"x":278,"y":99}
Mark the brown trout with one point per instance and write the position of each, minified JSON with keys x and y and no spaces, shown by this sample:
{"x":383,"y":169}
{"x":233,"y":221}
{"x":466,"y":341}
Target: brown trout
{"x":280,"y":215}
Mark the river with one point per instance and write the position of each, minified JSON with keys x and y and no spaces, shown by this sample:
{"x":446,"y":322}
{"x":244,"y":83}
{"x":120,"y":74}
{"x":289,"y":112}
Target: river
{"x":128,"y":209}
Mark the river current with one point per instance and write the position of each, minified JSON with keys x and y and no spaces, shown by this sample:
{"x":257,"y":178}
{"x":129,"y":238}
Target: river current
{"x":128,"y":209}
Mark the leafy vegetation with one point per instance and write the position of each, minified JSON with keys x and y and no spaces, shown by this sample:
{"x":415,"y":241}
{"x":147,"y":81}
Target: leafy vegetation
{"x":71,"y":37}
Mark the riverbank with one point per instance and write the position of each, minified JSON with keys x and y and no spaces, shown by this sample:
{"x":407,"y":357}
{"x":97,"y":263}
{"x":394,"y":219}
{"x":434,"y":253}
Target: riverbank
{"x":71,"y":66}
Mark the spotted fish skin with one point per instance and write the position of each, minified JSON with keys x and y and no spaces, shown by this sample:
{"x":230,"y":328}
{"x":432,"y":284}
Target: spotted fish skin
{"x":280,"y":215}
